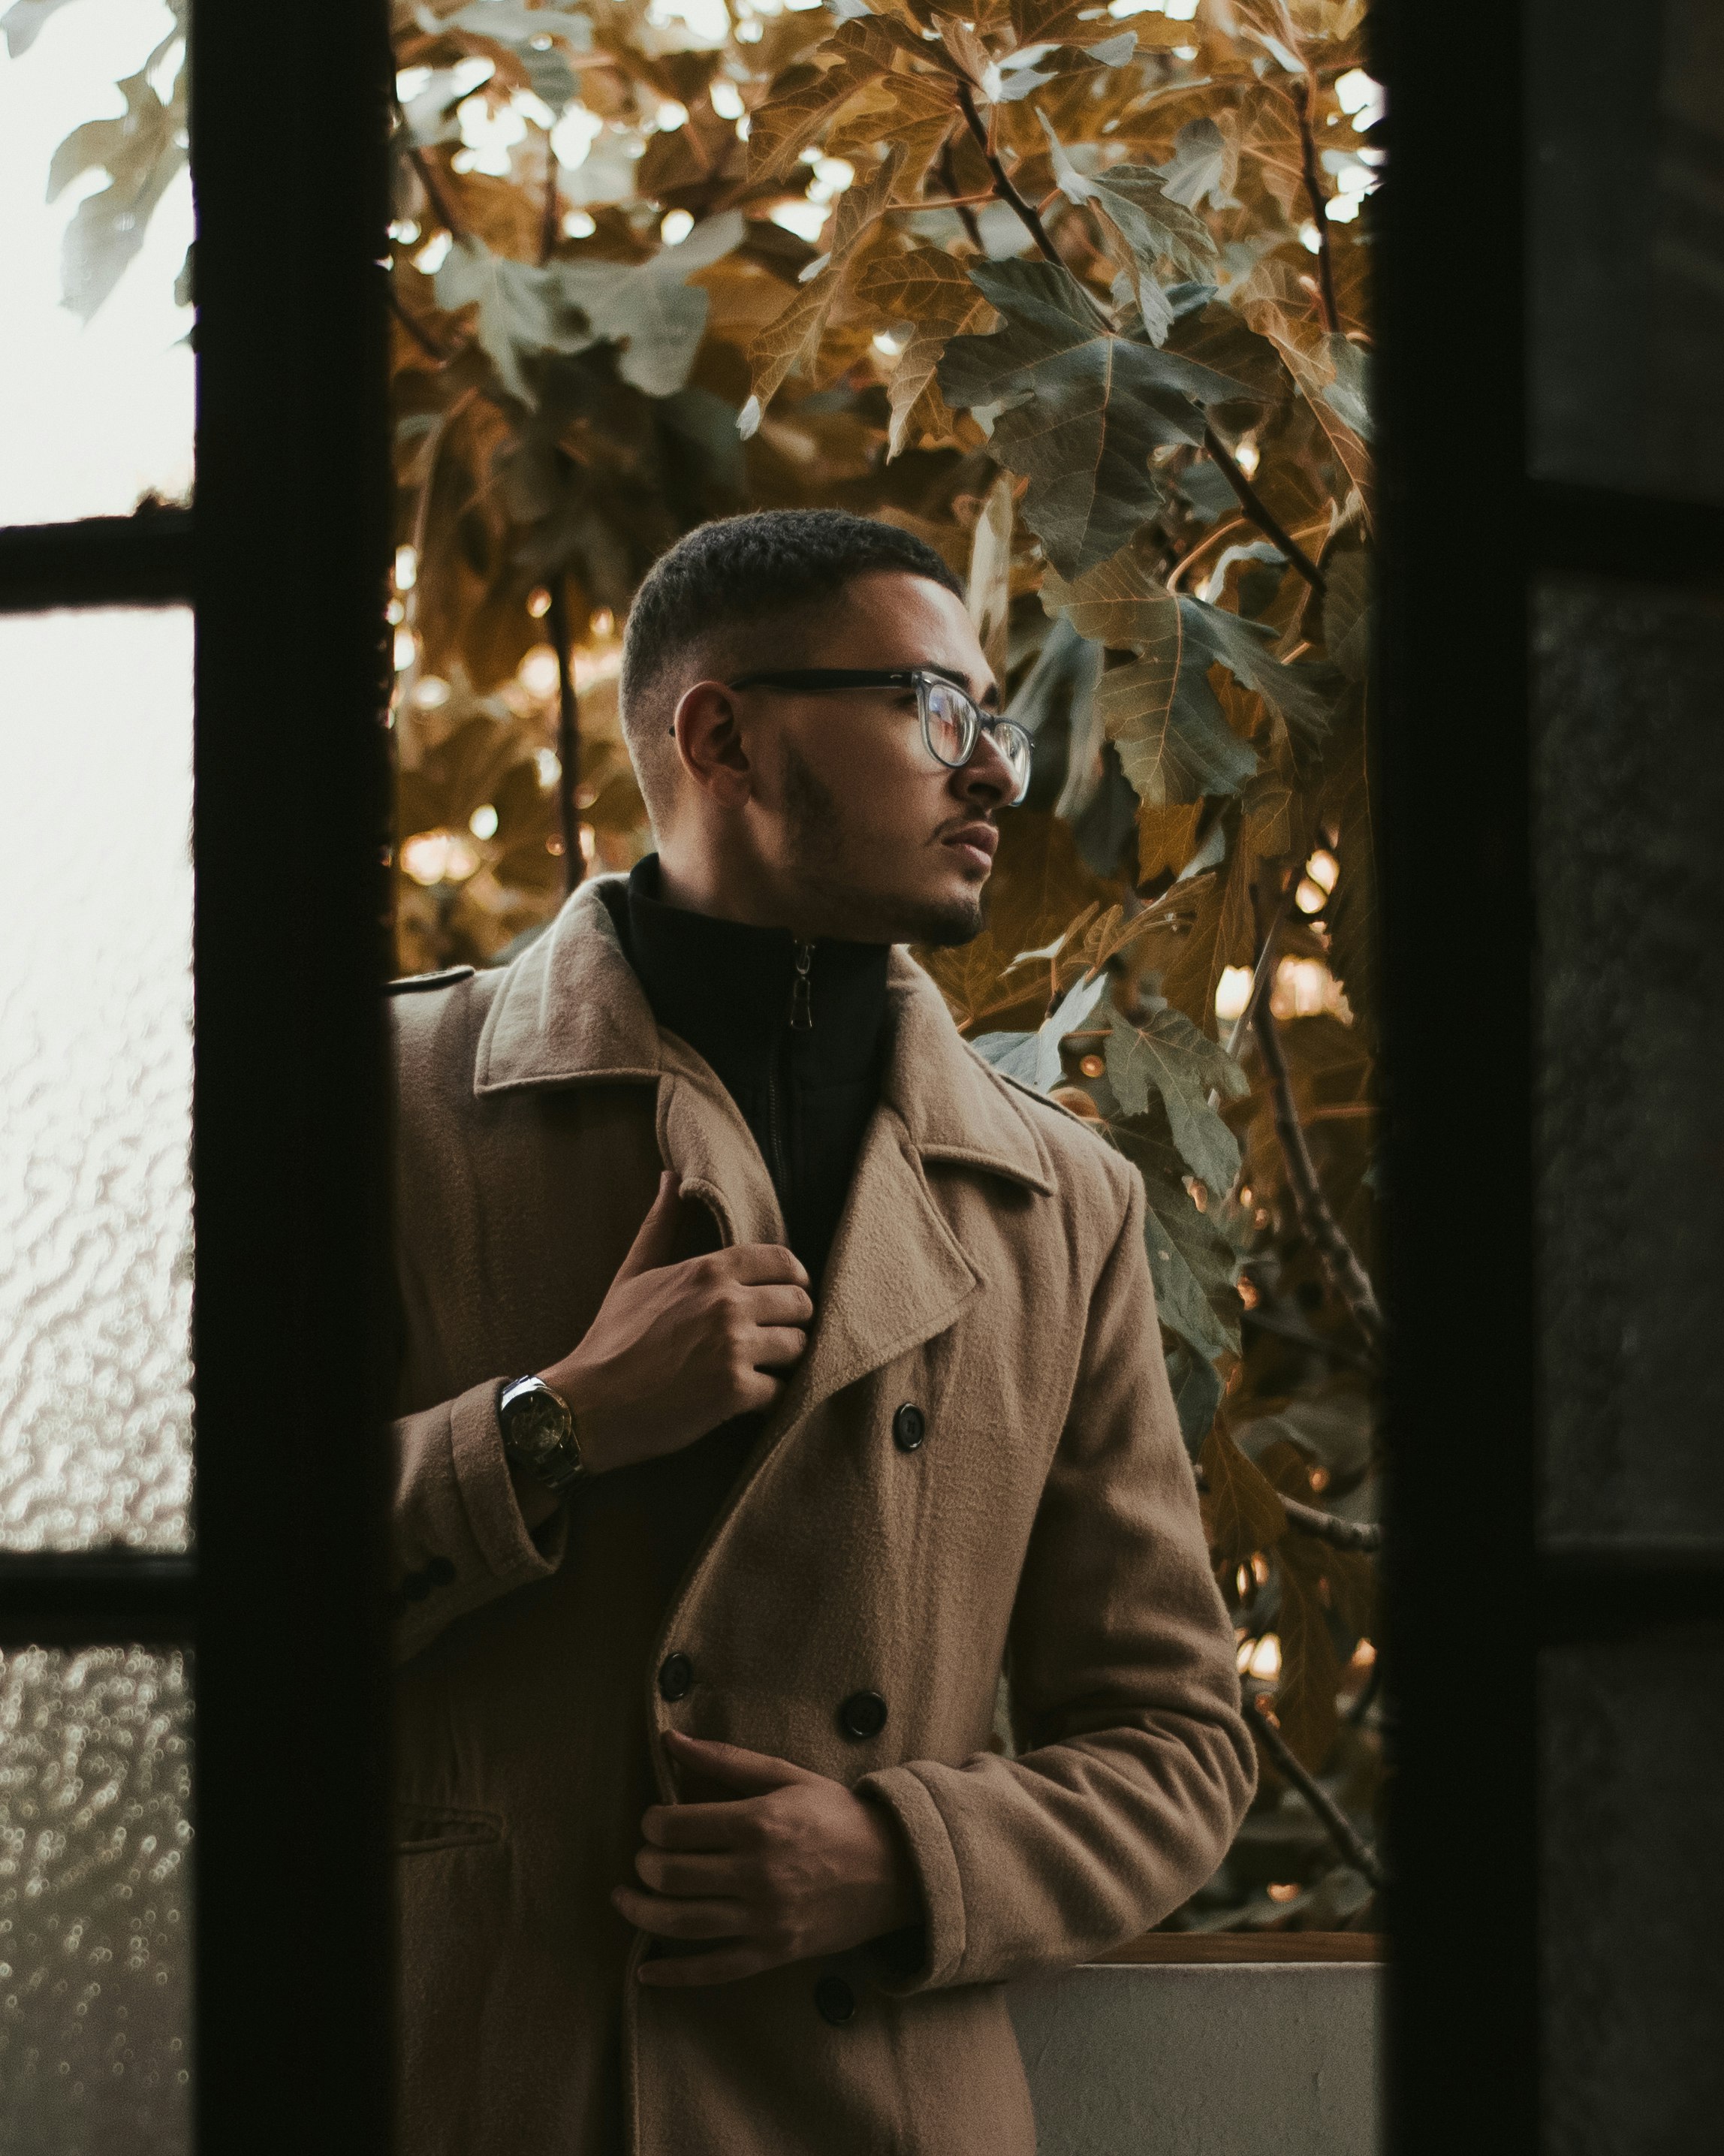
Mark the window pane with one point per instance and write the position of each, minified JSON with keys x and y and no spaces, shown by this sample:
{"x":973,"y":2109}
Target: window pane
{"x":96,"y":1914}
{"x":98,"y":404}
{"x":1633,"y":1984}
{"x":1627,"y":294}
{"x":1628,"y":793}
{"x":95,"y":1078}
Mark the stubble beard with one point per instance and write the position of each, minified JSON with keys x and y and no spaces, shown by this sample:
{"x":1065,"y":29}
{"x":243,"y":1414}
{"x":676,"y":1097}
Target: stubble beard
{"x":813,"y":824}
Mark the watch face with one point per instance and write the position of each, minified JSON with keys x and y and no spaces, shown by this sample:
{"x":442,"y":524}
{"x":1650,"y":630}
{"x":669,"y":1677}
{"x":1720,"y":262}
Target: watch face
{"x":536,"y":1424}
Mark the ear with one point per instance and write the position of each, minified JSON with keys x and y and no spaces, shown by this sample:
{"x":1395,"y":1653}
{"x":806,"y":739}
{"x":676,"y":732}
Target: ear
{"x":709,"y":740}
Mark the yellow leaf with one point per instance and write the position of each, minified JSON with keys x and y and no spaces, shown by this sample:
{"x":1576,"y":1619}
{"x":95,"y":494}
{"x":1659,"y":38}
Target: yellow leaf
{"x":931,"y":291}
{"x":791,"y":340}
{"x":784,"y":126}
{"x":990,"y":581}
{"x":1241,"y":1510}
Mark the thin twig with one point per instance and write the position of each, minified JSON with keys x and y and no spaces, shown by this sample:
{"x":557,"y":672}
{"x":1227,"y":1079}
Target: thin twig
{"x":961,"y":203}
{"x":433,"y":192}
{"x":1027,"y":213}
{"x":1322,"y":1230}
{"x":1259,"y":973}
{"x":1252,"y":504}
{"x":1345,"y":1837}
{"x":569,"y":738}
{"x":547,"y":221}
{"x":1319,"y":208}
{"x":1171,"y":581}
{"x":1339,"y":1534}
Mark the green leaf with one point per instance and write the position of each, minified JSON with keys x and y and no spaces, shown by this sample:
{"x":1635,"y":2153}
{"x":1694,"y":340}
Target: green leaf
{"x":23,"y":22}
{"x":1197,"y":1390}
{"x":1085,"y":408}
{"x":1173,"y":739}
{"x":1190,"y":1261}
{"x":1348,"y":393}
{"x":532,"y":35}
{"x":649,"y":309}
{"x":140,"y":152}
{"x":1168,"y":1056}
{"x":1304,"y":696}
{"x":1198,"y":167}
{"x":524,"y":310}
{"x":1148,"y":224}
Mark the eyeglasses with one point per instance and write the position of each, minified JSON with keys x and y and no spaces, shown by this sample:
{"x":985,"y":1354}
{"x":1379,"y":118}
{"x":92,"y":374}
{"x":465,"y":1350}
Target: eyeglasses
{"x":952,"y":723}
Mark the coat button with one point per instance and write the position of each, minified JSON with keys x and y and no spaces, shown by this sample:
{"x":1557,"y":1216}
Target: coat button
{"x":835,"y":1999}
{"x":910,"y":1426}
{"x":677,"y":1676}
{"x":863,"y":1714}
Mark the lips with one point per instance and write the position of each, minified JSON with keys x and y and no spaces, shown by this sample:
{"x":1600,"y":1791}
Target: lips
{"x":979,"y":840}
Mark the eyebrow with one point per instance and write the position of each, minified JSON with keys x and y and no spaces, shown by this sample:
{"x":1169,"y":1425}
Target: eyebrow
{"x":989,"y":696}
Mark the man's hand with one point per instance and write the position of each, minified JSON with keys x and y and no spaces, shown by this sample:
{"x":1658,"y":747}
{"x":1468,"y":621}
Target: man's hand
{"x":677,"y":1349}
{"x":797,"y":1866}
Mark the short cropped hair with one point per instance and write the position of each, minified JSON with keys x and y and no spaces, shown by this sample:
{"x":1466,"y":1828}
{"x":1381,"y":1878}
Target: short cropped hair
{"x":703,"y":604}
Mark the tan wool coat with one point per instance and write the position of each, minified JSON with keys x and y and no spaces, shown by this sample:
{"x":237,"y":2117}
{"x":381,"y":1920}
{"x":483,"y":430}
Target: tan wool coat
{"x":989,"y":1271}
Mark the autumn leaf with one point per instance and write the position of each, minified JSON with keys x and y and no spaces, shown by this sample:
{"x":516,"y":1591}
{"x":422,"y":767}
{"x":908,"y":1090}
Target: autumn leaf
{"x":933,"y":292}
{"x":1085,"y":408}
{"x":792,"y":338}
{"x":1148,"y":224}
{"x":990,"y":578}
{"x":1311,"y":1673}
{"x":1191,"y":1262}
{"x":1242,"y":1512}
{"x":1166,"y":1055}
{"x":139,"y":154}
{"x":911,"y":112}
{"x":781,"y":128}
{"x":521,"y":309}
{"x":649,"y":309}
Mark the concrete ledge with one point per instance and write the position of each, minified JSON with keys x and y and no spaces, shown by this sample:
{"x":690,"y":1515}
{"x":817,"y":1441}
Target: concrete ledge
{"x":1250,"y":2059}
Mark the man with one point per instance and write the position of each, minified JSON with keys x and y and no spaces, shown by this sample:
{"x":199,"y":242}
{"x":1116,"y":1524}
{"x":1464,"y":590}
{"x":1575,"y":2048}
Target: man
{"x":775,"y":1373}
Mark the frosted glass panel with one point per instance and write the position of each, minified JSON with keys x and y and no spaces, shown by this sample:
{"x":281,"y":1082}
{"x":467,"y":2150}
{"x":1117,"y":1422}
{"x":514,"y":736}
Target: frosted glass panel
{"x":95,"y":1078}
{"x":98,"y":404}
{"x":95,"y":1915}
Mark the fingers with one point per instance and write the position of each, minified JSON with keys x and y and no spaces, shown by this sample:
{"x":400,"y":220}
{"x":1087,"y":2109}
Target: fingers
{"x":774,"y":1346}
{"x":763,"y":1265}
{"x":668,"y":1918}
{"x":656,"y":1237}
{"x":777,"y":1306}
{"x":732,"y":1824}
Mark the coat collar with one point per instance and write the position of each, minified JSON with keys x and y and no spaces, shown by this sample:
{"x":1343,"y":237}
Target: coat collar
{"x":571,"y":1010}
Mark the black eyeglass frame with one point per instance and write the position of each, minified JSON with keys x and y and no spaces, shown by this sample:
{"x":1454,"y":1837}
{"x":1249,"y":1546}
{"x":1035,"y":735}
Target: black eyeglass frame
{"x":815,"y":681}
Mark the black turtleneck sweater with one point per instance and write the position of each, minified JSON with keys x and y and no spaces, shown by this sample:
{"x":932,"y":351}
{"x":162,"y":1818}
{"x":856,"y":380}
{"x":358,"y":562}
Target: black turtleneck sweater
{"x":796,"y":1031}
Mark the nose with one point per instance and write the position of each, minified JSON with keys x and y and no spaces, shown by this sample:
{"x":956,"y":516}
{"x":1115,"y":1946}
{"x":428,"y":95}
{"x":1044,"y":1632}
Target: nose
{"x":987,"y":778}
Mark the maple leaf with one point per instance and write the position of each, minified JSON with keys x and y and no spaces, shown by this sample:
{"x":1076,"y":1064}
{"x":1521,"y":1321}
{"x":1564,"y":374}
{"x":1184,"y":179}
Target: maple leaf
{"x":792,"y":337}
{"x":802,"y":101}
{"x":1085,"y":408}
{"x":1166,"y":1055}
{"x":1191,"y":1263}
{"x":933,"y":292}
{"x":1148,"y":225}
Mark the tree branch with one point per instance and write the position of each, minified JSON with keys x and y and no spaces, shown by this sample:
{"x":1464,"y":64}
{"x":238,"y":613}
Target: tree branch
{"x":569,"y":738}
{"x":1027,"y":213}
{"x":1307,"y":100}
{"x":966,"y":215}
{"x":1322,"y":1230}
{"x":1252,"y":504}
{"x":1345,"y":1837}
{"x":1339,"y":1534}
{"x":548,"y":219}
{"x":434,"y":193}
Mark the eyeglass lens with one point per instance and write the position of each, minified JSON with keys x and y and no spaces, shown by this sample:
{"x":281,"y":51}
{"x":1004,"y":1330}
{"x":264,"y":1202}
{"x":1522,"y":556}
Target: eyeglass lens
{"x":954,"y":726}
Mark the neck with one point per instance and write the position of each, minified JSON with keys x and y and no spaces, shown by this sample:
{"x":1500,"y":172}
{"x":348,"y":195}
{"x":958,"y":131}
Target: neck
{"x":742,"y":893}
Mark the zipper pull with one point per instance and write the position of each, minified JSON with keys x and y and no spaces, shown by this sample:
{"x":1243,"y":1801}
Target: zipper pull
{"x":802,"y":1002}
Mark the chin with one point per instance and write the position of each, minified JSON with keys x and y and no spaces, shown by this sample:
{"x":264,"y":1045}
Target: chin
{"x":941,"y":921}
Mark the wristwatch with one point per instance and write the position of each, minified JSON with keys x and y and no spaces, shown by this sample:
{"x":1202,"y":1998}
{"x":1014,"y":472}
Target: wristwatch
{"x":539,"y":1433}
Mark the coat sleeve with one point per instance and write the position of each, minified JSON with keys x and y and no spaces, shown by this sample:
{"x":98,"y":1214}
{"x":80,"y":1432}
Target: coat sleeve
{"x":457,"y":1536}
{"x":1137,"y":1765}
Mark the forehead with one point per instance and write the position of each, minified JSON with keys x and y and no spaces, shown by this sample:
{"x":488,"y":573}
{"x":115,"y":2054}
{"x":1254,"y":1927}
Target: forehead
{"x":892,"y":618}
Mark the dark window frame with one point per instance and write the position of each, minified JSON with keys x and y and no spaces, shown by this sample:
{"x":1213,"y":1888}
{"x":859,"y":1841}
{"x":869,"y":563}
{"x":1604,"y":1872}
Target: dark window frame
{"x":282,"y":1598}
{"x":1473,"y":1600}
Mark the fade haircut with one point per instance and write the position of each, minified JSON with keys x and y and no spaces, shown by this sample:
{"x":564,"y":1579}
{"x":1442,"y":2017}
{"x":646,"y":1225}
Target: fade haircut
{"x":701,"y":609}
